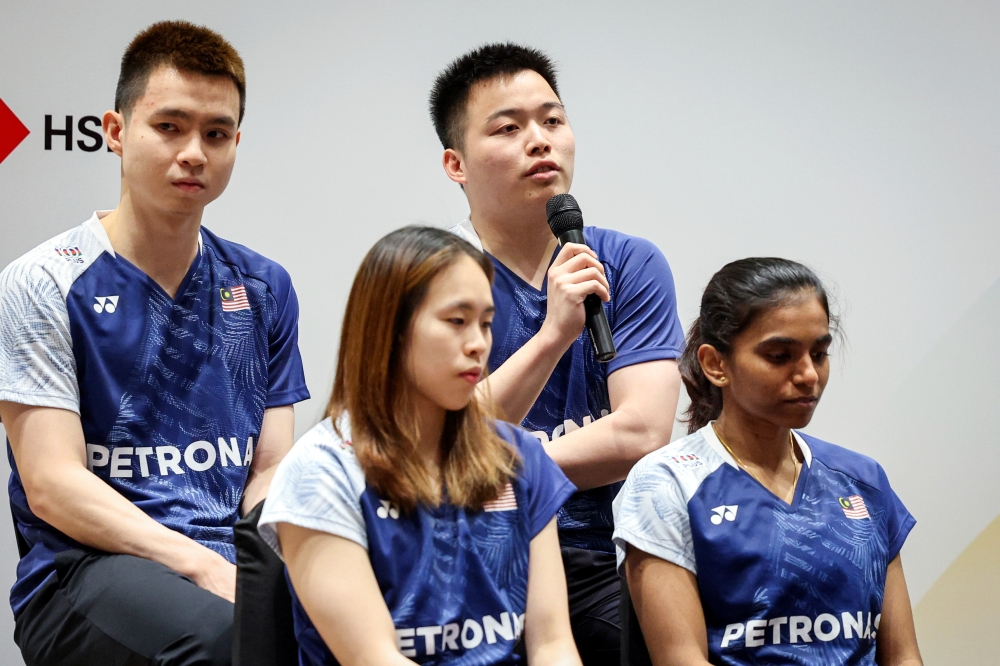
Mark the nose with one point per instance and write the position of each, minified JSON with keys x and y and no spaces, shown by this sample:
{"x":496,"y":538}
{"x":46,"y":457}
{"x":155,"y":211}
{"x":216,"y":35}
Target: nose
{"x":806,"y":373}
{"x":479,"y":342}
{"x":538,"y":144}
{"x":192,"y":153}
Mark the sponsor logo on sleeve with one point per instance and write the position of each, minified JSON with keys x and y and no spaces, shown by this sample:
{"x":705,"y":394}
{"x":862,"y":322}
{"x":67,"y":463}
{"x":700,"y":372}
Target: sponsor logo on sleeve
{"x":685,"y":460}
{"x":71,"y":254}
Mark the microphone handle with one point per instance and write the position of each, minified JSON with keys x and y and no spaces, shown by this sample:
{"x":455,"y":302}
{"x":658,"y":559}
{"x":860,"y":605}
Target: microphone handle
{"x":597,"y":319}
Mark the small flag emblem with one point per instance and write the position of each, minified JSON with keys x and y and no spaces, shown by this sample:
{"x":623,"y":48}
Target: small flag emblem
{"x":506,"y":502}
{"x":854,"y":507}
{"x":234,"y":298}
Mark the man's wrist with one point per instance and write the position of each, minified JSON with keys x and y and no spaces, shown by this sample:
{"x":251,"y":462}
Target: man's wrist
{"x":551,"y":346}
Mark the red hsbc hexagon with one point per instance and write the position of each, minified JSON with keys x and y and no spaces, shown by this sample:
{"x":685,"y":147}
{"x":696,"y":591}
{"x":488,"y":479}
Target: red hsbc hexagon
{"x":12,"y":131}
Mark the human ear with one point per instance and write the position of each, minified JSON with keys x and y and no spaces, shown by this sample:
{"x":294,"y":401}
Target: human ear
{"x":713,"y":365}
{"x":113,"y":123}
{"x":454,"y":166}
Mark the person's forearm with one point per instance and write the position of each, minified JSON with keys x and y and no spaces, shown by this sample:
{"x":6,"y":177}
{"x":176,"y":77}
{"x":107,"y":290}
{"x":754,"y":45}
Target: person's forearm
{"x":605,"y":450}
{"x":107,"y":521}
{"x":516,"y":384}
{"x":256,"y":489}
{"x":556,"y":653}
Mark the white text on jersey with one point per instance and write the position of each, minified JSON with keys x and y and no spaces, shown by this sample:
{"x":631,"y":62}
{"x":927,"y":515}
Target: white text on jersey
{"x":802,"y":629}
{"x":470,"y":634}
{"x":168,"y":459}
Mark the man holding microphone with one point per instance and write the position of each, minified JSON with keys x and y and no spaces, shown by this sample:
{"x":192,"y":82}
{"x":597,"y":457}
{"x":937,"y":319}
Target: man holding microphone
{"x":509,"y":144}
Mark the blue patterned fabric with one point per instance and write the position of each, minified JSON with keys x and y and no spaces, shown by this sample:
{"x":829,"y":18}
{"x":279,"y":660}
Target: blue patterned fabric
{"x":454,"y":581}
{"x":644,"y":325}
{"x":779,"y":584}
{"x":171,"y":393}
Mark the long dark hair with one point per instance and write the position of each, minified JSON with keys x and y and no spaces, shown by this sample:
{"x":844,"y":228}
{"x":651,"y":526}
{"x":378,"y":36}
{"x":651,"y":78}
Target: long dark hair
{"x":735,"y":296}
{"x":369,"y":383}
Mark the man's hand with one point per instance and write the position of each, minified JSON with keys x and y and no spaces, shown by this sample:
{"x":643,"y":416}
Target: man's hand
{"x":575,"y":274}
{"x":215,"y":574}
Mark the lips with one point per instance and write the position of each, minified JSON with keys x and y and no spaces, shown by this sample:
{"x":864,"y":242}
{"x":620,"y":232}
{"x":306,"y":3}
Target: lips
{"x":189,"y":185}
{"x":543,"y":169}
{"x":471,"y":376}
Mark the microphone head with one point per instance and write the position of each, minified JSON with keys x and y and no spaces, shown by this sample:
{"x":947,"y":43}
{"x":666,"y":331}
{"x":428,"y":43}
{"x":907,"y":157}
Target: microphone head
{"x":564,"y":214}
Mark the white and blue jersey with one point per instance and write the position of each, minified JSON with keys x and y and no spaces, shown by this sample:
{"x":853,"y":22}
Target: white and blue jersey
{"x":779,"y":584}
{"x":455,"y":581}
{"x":642,"y":314}
{"x":171,"y":392}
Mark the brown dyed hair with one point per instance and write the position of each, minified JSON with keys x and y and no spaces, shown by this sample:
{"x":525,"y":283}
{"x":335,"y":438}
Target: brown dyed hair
{"x":371,"y":380}
{"x":183,"y":46}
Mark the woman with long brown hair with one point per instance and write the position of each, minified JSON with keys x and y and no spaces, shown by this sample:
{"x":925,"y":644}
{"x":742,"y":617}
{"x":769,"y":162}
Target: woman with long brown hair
{"x":416,"y":528}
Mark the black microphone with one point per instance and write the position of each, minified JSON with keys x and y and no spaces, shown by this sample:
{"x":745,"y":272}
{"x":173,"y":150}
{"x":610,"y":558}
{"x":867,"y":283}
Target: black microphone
{"x":566,"y":222}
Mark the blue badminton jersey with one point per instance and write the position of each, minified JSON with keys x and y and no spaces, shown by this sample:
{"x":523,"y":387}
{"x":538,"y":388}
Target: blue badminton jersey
{"x":779,"y":584}
{"x":642,"y":314}
{"x":171,"y":392}
{"x":454,"y":581}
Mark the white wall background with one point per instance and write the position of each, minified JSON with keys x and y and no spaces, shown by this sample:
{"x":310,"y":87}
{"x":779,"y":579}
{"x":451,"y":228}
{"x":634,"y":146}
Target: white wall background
{"x":858,"y":137}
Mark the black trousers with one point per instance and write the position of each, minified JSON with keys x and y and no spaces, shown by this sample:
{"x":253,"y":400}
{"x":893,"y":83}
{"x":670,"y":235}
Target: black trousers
{"x":594,"y":594}
{"x":106,"y":609}
{"x":264,"y":631}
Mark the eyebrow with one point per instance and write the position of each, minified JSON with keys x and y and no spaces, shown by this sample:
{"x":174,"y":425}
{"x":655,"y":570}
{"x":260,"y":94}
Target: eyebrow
{"x":792,"y":341}
{"x":516,"y":111}
{"x":227,"y":121}
{"x":469,"y":307}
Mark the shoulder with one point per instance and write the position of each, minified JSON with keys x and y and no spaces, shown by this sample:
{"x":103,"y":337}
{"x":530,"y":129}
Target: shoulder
{"x":249,"y":263}
{"x":619,"y":249}
{"x":855,"y":465}
{"x":685,"y":463}
{"x":322,"y":450}
{"x":53,"y":265}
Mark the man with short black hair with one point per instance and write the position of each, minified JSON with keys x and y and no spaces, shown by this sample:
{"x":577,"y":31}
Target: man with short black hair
{"x":507,"y":141}
{"x":148,"y":372}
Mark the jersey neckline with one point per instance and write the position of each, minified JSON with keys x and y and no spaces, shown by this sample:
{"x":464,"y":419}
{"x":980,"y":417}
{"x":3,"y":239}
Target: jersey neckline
{"x":708,"y":432}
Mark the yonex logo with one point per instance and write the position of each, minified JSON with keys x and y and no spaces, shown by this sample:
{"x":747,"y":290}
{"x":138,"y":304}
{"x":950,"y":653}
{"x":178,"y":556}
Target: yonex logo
{"x":387,"y":510}
{"x":105,"y":304}
{"x":724,"y":511}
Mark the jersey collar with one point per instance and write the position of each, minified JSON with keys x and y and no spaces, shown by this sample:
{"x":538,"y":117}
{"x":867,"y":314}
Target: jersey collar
{"x":708,"y":432}
{"x":466,"y":231}
{"x":95,"y":227}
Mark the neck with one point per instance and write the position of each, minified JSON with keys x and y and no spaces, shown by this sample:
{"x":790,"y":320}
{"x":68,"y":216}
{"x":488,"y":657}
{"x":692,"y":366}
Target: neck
{"x":522,"y":243}
{"x":161,"y":246}
{"x":430,"y":428}
{"x":753,"y":441}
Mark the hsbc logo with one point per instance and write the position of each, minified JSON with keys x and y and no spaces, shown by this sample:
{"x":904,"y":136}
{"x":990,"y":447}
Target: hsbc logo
{"x":12,"y":131}
{"x":88,"y":126}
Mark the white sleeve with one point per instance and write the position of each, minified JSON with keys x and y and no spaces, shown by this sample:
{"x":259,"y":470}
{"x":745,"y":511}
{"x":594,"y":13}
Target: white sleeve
{"x":318,"y":486}
{"x":651,"y":513}
{"x":37,"y":366}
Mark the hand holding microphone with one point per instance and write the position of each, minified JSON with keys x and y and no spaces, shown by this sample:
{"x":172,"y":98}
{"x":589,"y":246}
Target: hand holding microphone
{"x":577,"y":277}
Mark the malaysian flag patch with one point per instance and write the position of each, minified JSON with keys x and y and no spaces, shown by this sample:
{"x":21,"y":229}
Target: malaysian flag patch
{"x":854,"y":507}
{"x":234,"y":298}
{"x":506,"y":501}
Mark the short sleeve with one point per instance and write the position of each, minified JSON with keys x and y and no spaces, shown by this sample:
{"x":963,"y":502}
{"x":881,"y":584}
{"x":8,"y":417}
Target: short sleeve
{"x":318,"y":485}
{"x":651,"y":514}
{"x":286,"y":382}
{"x":898,"y":520}
{"x":645,"y":324}
{"x":547,"y":488}
{"x":37,"y":366}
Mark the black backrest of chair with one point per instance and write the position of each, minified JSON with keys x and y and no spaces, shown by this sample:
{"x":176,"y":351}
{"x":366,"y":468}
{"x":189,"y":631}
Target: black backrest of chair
{"x":22,"y":544}
{"x":634,"y":652}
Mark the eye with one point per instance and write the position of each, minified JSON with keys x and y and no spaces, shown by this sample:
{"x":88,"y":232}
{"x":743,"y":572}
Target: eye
{"x":778,"y":357}
{"x":507,"y":129}
{"x":166,"y":127}
{"x":554,"y":120}
{"x":457,"y":321}
{"x":820,"y":356}
{"x":488,"y":325}
{"x":217,"y":134}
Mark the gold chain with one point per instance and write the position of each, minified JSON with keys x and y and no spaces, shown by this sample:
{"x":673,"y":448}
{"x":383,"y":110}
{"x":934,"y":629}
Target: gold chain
{"x":791,"y":453}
